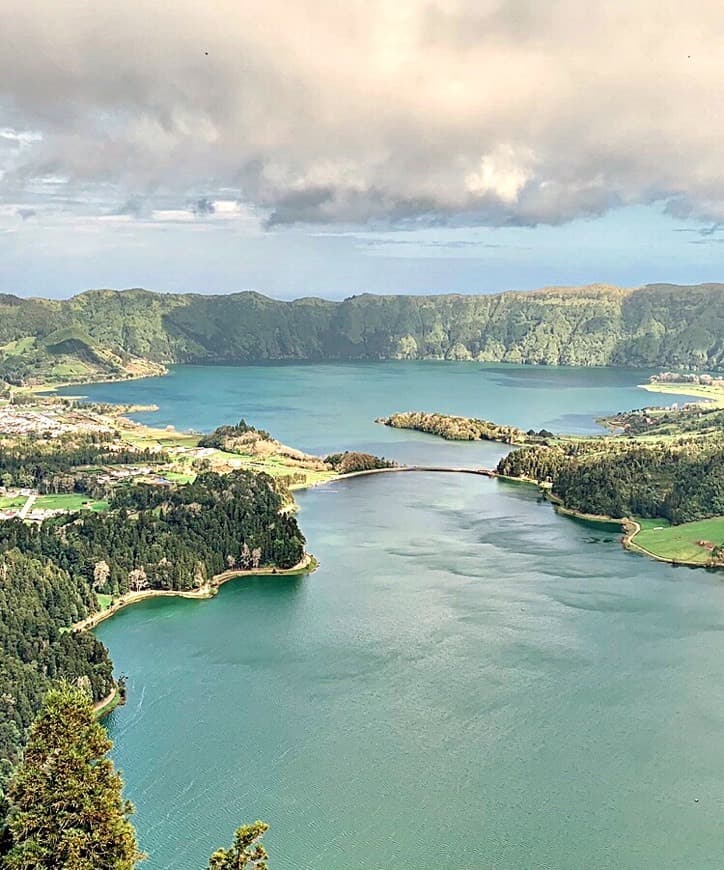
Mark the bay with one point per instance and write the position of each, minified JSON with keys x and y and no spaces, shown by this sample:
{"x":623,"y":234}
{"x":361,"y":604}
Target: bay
{"x":320,"y":407}
{"x":468,"y":680}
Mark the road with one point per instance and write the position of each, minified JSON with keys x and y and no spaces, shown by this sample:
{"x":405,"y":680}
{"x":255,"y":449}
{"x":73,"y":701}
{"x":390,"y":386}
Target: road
{"x":27,"y":507}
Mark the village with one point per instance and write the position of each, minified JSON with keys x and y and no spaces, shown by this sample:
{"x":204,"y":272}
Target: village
{"x":134,"y":453}
{"x":49,"y":420}
{"x":31,"y":505}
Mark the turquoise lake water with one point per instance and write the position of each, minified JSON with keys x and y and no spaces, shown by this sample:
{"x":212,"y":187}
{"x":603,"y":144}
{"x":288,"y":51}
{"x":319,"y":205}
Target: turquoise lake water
{"x":468,"y":680}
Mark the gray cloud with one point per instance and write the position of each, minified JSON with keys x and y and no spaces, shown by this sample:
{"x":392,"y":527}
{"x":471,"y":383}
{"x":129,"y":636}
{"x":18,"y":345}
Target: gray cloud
{"x":499,"y":112}
{"x":202,"y":207}
{"x":26,"y":213}
{"x":135,"y":207}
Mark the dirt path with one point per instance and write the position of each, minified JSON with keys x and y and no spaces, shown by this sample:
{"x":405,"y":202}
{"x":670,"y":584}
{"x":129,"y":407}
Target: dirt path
{"x":26,"y":508}
{"x":99,"y":708}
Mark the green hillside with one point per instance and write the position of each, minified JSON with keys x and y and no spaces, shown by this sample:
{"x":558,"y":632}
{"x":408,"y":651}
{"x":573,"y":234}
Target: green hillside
{"x":112,"y":331}
{"x":67,"y":354}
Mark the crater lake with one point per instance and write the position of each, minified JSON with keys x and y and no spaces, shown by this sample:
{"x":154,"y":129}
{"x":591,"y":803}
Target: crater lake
{"x":468,"y":680}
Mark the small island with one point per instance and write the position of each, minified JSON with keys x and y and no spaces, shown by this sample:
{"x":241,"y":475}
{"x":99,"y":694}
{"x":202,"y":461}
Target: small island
{"x":454,"y":428}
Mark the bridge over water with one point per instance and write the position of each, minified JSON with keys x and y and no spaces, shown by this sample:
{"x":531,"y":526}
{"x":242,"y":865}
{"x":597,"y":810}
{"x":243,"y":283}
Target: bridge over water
{"x":445,"y":469}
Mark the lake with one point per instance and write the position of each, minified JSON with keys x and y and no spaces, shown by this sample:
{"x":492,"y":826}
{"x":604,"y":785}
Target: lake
{"x":468,"y":680}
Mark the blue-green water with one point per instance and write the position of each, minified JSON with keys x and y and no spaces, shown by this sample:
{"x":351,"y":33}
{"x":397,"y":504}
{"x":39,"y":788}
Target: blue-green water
{"x":468,"y":681}
{"x":331,"y":406}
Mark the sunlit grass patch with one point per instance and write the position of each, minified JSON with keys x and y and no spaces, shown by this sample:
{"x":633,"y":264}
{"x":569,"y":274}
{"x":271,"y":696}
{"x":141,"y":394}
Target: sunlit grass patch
{"x":689,"y":542}
{"x":69,"y":502}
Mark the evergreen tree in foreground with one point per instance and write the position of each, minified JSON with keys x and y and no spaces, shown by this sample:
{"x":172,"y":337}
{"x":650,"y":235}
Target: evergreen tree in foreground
{"x":247,"y":851}
{"x":67,"y":810}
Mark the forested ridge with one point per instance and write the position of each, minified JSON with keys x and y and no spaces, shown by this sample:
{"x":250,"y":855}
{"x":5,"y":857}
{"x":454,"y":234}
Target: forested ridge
{"x":168,"y":538}
{"x":658,"y":325}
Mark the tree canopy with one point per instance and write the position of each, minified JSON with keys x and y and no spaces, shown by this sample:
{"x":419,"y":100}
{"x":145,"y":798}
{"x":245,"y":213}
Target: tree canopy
{"x":680,"y":481}
{"x":67,"y":808}
{"x":247,"y":851}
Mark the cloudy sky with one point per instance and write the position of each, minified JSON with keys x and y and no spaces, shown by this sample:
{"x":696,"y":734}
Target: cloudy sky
{"x":316,"y":147}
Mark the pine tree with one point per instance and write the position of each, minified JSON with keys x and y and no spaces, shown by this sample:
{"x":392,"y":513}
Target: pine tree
{"x":247,"y":851}
{"x":66,"y":807}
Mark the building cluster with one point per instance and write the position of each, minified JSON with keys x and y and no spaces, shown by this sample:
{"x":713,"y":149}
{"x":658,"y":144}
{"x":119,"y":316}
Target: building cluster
{"x":704,"y":380}
{"x":47,"y":421}
{"x":124,"y":472}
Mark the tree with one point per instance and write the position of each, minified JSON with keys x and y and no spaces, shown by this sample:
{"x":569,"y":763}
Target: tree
{"x":66,"y":806}
{"x":137,"y":579}
{"x":247,"y":851}
{"x":101,"y":573}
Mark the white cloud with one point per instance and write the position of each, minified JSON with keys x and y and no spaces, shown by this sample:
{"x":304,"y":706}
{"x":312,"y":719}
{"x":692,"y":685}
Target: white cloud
{"x":21,"y":137}
{"x":172,"y":215}
{"x":489,"y":111}
{"x":227,"y":207}
{"x":502,"y":174}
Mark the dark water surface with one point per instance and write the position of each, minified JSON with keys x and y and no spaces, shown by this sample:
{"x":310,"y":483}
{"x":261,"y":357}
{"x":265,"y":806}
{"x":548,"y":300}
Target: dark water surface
{"x":468,"y":681}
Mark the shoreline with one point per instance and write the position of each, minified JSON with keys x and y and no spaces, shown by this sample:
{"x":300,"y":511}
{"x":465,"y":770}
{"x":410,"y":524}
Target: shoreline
{"x":40,"y":389}
{"x":625,"y":524}
{"x":632,"y":527}
{"x":703,"y":394}
{"x":629,"y":526}
{"x":108,"y":704}
{"x":599,"y":519}
{"x":307,"y":565}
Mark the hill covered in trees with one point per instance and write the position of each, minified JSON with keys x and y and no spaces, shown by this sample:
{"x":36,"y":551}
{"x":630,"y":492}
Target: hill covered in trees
{"x":116,"y":333}
{"x":681,"y":480}
{"x":38,"y":601}
{"x":68,"y":355}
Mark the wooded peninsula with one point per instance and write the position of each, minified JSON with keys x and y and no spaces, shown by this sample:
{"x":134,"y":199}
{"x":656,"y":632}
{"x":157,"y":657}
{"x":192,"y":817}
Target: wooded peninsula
{"x":97,"y":512}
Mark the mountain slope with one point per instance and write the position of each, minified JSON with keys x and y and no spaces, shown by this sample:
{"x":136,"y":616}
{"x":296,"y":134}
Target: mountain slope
{"x":658,"y":325}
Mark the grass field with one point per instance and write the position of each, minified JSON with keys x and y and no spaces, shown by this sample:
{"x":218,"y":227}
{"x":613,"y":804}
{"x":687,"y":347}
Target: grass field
{"x":104,"y":600}
{"x":315,"y":477}
{"x":149,"y":437}
{"x":69,"y":502}
{"x":12,"y":502}
{"x":274,"y":466}
{"x":180,"y":476}
{"x":21,"y":345}
{"x":680,"y":543}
